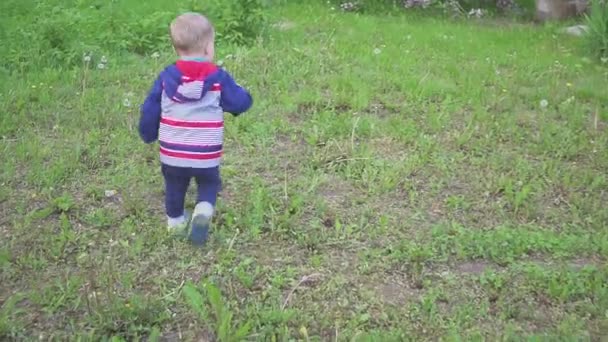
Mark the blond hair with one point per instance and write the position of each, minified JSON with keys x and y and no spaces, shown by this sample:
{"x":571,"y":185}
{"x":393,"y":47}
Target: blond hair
{"x":191,"y":32}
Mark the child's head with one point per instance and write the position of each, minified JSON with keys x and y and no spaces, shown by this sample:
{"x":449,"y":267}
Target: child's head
{"x":192,"y":35}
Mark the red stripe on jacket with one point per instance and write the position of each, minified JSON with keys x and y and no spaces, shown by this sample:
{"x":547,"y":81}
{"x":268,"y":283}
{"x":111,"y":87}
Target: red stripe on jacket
{"x":195,"y":156}
{"x":192,"y":124}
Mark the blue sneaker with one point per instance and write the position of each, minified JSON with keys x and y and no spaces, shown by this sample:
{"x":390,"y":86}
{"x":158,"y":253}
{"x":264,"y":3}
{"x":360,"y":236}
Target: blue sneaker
{"x":201,"y":220}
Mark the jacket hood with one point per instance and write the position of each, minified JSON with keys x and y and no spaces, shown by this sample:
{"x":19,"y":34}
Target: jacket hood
{"x":184,"y":81}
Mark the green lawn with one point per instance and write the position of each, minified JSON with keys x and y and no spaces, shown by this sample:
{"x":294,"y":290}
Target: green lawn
{"x":396,"y":179}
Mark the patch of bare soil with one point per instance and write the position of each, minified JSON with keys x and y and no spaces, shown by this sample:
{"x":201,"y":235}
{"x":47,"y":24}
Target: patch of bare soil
{"x":473,"y":267}
{"x":462,"y":200}
{"x":343,"y":261}
{"x":397,"y":293}
{"x":574,"y":264}
{"x":381,"y":109}
{"x":289,"y":147}
{"x":280,"y":255}
{"x":580,"y":263}
{"x":338,"y":192}
{"x":305,"y":108}
{"x":391,"y":289}
{"x":388,"y":148}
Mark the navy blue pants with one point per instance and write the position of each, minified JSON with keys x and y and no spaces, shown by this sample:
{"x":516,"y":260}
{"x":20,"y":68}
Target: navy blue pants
{"x":177,"y":180}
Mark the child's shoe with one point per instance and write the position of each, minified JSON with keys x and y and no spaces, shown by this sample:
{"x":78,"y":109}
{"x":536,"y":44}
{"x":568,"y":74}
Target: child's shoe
{"x":201,"y":219}
{"x":178,"y":227}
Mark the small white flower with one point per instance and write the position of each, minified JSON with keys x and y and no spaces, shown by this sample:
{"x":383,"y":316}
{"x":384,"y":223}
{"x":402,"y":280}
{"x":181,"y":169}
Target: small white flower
{"x":126,"y":103}
{"x":86,"y":58}
{"x":377,"y":51}
{"x":103,"y":60}
{"x":155,"y":55}
{"x":544,"y":103}
{"x":475,"y":12}
{"x":604,"y":59}
{"x":101,"y":66}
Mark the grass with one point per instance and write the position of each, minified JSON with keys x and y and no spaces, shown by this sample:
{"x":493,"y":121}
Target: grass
{"x":414,"y":192}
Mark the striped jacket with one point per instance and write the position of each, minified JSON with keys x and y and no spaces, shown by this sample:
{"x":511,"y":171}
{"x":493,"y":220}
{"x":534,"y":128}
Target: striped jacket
{"x":184,"y":110}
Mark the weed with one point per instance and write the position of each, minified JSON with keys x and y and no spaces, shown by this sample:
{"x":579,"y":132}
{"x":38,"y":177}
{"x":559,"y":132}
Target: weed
{"x":493,"y":282}
{"x":64,"y":203}
{"x":597,"y":37}
{"x":225,"y":330}
{"x":100,"y":218}
{"x":10,"y":325}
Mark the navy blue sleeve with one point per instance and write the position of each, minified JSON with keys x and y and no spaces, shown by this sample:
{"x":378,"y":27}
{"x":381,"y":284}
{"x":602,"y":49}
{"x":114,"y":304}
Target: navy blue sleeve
{"x":235,"y":99}
{"x":149,"y":120}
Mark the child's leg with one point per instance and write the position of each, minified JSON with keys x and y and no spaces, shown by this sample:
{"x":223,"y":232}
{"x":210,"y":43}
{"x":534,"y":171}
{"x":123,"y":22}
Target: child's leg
{"x":209,"y":183}
{"x":176,"y":186}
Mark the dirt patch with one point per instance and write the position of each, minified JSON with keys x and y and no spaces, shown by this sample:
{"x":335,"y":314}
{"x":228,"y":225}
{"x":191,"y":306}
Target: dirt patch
{"x":292,"y":145}
{"x":580,"y":263}
{"x":552,"y":205}
{"x":282,"y":255}
{"x":324,"y":103}
{"x":343,"y":260}
{"x":336,"y":189}
{"x":396,"y":293}
{"x":527,"y":120}
{"x":309,"y":107}
{"x":573,"y":264}
{"x":302,"y":111}
{"x":388,"y":148}
{"x":381,"y":109}
{"x":341,"y":107}
{"x":472,"y":267}
{"x":340,"y":196}
{"x":461,"y":199}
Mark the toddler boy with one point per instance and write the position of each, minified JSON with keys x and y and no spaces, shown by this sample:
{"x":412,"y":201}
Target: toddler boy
{"x":184,"y":110}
